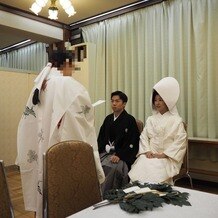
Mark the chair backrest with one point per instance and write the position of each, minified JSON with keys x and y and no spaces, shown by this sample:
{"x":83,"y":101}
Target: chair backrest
{"x":185,"y":165}
{"x":6,"y":209}
{"x":70,"y":179}
{"x":140,"y":125}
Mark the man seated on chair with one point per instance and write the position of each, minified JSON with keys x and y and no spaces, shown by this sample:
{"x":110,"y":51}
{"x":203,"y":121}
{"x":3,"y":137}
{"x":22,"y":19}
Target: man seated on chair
{"x":58,"y":109}
{"x":118,"y":143}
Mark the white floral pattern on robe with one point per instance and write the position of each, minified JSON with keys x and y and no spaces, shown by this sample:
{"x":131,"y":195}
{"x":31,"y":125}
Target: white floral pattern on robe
{"x":63,"y":99}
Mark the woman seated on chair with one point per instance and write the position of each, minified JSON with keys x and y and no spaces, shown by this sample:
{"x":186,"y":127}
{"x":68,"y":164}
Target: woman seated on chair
{"x":163,"y":141}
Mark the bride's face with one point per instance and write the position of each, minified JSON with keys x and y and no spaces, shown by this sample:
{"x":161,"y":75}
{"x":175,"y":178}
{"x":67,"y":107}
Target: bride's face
{"x":160,"y":105}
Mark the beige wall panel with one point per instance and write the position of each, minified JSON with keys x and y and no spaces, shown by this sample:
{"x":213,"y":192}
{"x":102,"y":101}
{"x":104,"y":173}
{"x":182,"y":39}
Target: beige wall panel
{"x":14,"y":91}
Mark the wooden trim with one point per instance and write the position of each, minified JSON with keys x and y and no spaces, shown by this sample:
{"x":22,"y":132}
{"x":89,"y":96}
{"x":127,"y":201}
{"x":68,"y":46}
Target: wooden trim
{"x":88,"y":21}
{"x":31,"y":16}
{"x":200,"y":141}
{"x":76,"y":25}
{"x":207,"y":143}
{"x":205,"y":172}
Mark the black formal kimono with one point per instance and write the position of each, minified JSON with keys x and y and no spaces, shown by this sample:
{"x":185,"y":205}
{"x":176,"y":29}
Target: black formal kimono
{"x":123,"y":133}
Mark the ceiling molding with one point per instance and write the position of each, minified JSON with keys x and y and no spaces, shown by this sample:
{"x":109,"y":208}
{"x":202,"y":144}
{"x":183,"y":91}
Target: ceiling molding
{"x":114,"y":13}
{"x":69,"y":28}
{"x":17,"y":47}
{"x":31,"y":16}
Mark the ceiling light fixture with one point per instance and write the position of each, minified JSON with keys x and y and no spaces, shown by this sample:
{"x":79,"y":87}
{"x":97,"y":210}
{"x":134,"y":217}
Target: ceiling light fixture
{"x":53,"y":10}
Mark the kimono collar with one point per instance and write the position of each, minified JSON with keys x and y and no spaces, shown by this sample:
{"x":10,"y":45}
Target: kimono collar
{"x":121,"y":114}
{"x":42,"y":76}
{"x":46,"y":73}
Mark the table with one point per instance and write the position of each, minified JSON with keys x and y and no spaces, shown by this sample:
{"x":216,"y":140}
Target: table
{"x":204,"y":205}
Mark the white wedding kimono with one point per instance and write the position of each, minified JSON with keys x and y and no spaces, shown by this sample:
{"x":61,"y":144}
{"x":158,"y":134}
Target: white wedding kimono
{"x":163,"y":133}
{"x":64,"y":113}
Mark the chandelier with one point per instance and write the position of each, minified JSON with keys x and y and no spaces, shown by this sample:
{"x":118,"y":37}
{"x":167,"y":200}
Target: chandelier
{"x":53,"y":10}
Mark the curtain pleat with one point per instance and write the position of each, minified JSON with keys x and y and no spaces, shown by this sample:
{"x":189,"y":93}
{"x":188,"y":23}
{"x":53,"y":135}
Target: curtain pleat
{"x":96,"y":34}
{"x":175,"y":38}
{"x":33,"y":57}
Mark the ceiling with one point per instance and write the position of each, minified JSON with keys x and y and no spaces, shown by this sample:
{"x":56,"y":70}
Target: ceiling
{"x":84,"y":9}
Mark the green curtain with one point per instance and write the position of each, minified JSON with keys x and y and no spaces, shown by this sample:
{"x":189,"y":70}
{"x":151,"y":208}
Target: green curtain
{"x":96,"y":34}
{"x":175,"y":38}
{"x":33,"y":57}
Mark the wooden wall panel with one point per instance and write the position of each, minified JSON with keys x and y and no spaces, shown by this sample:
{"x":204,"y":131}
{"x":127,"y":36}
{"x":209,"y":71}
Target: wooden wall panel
{"x":14,"y":92}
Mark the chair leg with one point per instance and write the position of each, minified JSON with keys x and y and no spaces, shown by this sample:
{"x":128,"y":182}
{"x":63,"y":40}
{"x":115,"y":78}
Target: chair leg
{"x":185,"y":175}
{"x":175,"y":180}
{"x":190,"y":179}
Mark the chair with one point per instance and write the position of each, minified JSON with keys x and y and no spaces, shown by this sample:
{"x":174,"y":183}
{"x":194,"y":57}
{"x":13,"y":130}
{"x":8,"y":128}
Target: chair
{"x":184,"y":171}
{"x":6,"y":209}
{"x":70,"y":179}
{"x":140,"y":125}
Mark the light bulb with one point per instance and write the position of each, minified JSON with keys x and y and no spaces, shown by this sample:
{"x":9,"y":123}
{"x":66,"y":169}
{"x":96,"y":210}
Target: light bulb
{"x":35,"y":8}
{"x":70,"y":11}
{"x":53,"y":14}
{"x":65,"y":4}
{"x":41,"y":3}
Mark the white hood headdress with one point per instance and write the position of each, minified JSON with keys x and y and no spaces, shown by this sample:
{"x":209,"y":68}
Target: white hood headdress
{"x":168,"y":89}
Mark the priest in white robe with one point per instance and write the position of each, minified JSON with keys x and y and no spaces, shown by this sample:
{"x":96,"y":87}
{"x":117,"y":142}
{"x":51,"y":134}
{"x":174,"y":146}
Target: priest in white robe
{"x":163,"y":141}
{"x":58,"y":109}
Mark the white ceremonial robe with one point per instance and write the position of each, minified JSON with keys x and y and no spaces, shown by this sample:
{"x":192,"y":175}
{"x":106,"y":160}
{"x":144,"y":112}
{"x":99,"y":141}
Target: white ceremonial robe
{"x":162,"y":133}
{"x":65,"y":100}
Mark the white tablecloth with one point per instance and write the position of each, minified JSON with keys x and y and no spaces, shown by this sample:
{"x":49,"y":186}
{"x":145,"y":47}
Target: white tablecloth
{"x":204,"y":205}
